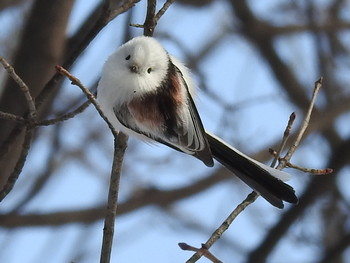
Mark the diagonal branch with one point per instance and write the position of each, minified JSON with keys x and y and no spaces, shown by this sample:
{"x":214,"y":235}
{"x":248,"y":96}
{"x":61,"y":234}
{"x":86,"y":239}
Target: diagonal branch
{"x":225,"y":225}
{"x":29,"y":131}
{"x":25,"y":90}
{"x":318,"y":85}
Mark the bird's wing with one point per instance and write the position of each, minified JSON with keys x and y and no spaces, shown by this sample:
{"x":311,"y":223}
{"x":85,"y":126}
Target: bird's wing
{"x":195,"y":132}
{"x":182,"y":130}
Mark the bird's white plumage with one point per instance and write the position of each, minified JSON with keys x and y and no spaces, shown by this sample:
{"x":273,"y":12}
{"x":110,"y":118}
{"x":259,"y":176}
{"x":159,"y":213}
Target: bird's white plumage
{"x":118,"y":84}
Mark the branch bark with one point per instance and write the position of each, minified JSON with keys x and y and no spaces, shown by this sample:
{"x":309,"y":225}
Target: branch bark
{"x":41,"y":47}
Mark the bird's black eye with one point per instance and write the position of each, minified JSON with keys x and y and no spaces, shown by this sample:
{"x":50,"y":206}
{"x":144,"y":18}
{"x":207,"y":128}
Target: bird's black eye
{"x":128,"y":57}
{"x":149,"y":70}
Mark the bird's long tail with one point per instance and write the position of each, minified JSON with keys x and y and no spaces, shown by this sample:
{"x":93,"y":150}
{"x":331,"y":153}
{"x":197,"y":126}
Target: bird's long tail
{"x":263,"y":179}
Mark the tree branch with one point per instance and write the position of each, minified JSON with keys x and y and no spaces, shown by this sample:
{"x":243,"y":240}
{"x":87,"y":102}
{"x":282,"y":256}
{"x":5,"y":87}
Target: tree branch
{"x":120,"y":144}
{"x":11,"y":180}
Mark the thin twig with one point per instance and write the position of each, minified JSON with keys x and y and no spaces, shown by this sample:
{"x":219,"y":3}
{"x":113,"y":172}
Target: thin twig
{"x":11,"y":117}
{"x":42,"y":178}
{"x":287,"y":157}
{"x":89,"y":95}
{"x":286,"y":135}
{"x":29,"y":99}
{"x":10,"y":139}
{"x":311,"y":170}
{"x":136,"y":25}
{"x":225,"y":225}
{"x":151,"y":17}
{"x":31,"y":105}
{"x":165,"y":7}
{"x":120,"y":144}
{"x":66,"y":116}
{"x":202,"y":251}
{"x":303,"y":169}
{"x":12,"y":179}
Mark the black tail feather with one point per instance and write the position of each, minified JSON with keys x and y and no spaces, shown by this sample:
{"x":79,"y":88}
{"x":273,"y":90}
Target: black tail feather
{"x":274,"y":190}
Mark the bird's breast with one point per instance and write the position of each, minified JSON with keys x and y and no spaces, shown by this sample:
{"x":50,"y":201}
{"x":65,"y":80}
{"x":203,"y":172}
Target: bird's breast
{"x":145,"y":111}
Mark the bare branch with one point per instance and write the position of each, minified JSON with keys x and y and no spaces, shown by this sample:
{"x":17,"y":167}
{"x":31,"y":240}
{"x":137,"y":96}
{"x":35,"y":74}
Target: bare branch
{"x":311,"y":170}
{"x":150,"y":21}
{"x":225,"y":225}
{"x":286,"y":135}
{"x":11,"y":180}
{"x":318,"y":85}
{"x":66,"y":116}
{"x":11,"y":72}
{"x":165,"y":7}
{"x":303,"y":169}
{"x":203,"y":251}
{"x":11,"y":117}
{"x":89,"y":95}
{"x":19,"y":165}
{"x":120,"y":144}
{"x":151,"y":17}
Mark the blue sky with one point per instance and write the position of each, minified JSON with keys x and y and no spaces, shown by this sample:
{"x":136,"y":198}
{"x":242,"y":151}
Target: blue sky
{"x":236,"y":73}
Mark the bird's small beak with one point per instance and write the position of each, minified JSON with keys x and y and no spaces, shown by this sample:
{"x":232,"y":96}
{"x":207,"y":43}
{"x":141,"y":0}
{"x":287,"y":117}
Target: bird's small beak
{"x":134,"y":68}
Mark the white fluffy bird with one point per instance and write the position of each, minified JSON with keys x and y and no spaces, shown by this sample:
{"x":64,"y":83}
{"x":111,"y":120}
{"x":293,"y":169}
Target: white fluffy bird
{"x":146,"y":92}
